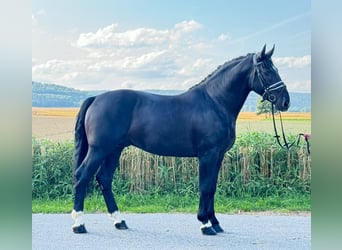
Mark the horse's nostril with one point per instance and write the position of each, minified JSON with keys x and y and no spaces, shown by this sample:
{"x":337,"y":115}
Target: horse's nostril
{"x":286,"y":104}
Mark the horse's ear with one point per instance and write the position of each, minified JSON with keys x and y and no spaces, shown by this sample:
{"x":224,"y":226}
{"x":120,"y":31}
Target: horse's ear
{"x":270,"y":53}
{"x":261,"y":55}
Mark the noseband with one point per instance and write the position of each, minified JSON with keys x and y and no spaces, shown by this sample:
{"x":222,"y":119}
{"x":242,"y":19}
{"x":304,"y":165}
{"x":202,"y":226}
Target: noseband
{"x":267,"y":95}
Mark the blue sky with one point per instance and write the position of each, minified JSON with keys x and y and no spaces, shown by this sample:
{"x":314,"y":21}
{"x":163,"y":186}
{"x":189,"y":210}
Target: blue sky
{"x":164,"y":44}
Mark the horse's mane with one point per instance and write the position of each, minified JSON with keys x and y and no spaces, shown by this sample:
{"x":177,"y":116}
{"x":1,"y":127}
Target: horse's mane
{"x":219,"y":69}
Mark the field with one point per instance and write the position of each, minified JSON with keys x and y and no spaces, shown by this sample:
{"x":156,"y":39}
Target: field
{"x":57,"y":124}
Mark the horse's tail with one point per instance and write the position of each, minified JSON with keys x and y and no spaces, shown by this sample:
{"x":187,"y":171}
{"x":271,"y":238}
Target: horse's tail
{"x":81,"y":142}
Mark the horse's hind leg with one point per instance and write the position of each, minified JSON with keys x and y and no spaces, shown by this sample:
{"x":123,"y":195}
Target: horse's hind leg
{"x":105,"y":178}
{"x":83,"y":175}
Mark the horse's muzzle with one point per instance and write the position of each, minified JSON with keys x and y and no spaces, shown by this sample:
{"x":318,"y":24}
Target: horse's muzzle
{"x":283,"y":104}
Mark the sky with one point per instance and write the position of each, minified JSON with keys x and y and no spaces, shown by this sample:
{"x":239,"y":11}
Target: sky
{"x":169,"y":44}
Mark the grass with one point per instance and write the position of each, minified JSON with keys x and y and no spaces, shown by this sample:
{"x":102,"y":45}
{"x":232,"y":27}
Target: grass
{"x":135,"y":203}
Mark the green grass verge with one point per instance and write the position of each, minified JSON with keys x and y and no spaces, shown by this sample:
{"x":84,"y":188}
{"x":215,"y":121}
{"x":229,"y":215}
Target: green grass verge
{"x":175,"y":203}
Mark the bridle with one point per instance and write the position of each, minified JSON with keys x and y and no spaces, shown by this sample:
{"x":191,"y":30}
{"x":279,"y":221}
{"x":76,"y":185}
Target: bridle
{"x":267,"y":95}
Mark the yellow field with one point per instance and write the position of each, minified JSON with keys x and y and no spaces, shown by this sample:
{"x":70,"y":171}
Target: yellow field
{"x":251,"y":116}
{"x":61,"y":112}
{"x":58,"y":123}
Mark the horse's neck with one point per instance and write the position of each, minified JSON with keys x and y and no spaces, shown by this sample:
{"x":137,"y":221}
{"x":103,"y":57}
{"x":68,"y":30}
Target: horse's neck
{"x":231,"y":88}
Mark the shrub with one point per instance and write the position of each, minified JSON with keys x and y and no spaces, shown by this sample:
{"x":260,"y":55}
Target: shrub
{"x":255,"y":166}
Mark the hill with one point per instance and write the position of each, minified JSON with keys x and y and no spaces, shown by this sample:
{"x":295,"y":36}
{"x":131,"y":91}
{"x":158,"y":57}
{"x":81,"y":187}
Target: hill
{"x":300,"y":102}
{"x":52,"y":95}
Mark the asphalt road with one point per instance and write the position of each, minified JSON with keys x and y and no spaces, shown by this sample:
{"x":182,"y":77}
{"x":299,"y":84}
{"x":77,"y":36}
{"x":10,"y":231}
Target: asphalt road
{"x":173,"y":231}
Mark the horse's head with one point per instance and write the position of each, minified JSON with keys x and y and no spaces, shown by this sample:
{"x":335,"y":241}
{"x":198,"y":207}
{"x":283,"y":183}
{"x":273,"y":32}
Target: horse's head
{"x":267,"y":82}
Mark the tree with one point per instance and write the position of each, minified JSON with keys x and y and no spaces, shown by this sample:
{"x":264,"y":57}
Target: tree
{"x":263,"y":107}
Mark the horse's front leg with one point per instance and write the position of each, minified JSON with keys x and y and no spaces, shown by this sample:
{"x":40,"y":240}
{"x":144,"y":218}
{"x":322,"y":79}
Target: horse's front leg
{"x":211,"y":214}
{"x":209,"y":166}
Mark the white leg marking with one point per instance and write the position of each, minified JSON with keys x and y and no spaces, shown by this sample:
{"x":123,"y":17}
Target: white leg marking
{"x":206,"y":225}
{"x":116,"y":217}
{"x":78,"y":218}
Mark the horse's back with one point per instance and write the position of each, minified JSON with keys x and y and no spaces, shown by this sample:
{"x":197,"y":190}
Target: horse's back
{"x":156,"y":123}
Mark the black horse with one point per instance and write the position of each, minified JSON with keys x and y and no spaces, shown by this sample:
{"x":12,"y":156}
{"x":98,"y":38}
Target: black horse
{"x":198,"y":123}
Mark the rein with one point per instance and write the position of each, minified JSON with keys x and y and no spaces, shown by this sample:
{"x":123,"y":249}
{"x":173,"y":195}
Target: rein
{"x":286,"y":145}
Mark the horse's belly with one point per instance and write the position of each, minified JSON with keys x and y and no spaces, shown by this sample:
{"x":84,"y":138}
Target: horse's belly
{"x":167,"y":143}
{"x":170,"y":150}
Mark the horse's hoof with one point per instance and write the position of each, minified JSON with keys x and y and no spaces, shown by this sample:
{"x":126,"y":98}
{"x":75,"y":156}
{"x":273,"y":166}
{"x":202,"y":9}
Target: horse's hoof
{"x":208,"y":231}
{"x":79,"y":229}
{"x":218,"y":228}
{"x":121,"y":225}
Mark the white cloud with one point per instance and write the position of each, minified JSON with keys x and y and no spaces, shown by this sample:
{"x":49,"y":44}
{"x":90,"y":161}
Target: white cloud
{"x":299,"y":86}
{"x":107,"y":37}
{"x":223,"y":37}
{"x":196,"y":68}
{"x":36,"y":15}
{"x":187,"y":26}
{"x":136,"y":56}
{"x":295,"y":72}
{"x":293,"y":62}
{"x":60,"y":71}
{"x":34,"y":20}
{"x":110,"y":37}
{"x":145,"y":58}
{"x":96,"y":39}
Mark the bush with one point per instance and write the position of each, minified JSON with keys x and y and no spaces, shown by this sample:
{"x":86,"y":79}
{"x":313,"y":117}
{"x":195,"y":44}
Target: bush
{"x":255,"y":166}
{"x":52,"y":169}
